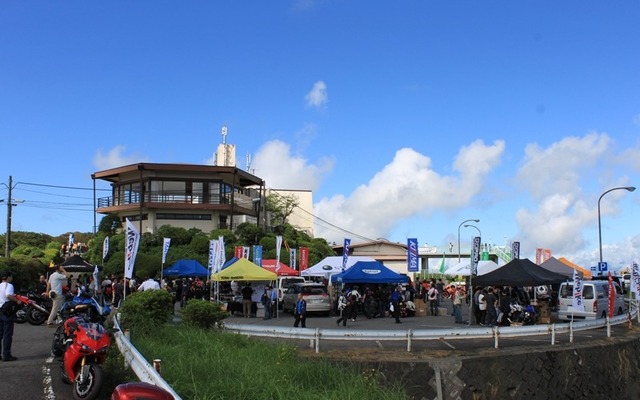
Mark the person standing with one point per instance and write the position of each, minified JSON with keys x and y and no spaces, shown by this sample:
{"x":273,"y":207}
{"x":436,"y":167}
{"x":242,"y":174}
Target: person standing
{"x":149,"y":284}
{"x":274,"y":302}
{"x":457,"y":304}
{"x":266,"y":302}
{"x":300,"y":312}
{"x":7,"y":319}
{"x":54,"y":290}
{"x":41,"y":287}
{"x":246,"y":291}
{"x":396,"y":298}
{"x":491,"y":300}
{"x":344,"y":308}
{"x":432,"y":296}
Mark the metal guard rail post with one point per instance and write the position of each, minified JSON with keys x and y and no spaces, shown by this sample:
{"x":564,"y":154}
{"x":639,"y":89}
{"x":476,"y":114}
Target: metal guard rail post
{"x":139,"y":365}
{"x":314,"y":335}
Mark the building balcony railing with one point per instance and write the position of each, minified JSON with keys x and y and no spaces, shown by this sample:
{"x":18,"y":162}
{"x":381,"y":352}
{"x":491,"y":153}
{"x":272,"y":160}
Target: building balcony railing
{"x":133,"y":198}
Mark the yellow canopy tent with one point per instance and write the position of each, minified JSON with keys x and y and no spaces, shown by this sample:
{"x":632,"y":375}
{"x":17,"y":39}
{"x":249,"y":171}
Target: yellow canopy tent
{"x":586,"y":273}
{"x":243,"y":270}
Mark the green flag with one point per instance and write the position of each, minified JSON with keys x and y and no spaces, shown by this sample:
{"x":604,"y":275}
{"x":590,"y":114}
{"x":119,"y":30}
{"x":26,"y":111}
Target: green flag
{"x":442,"y":267}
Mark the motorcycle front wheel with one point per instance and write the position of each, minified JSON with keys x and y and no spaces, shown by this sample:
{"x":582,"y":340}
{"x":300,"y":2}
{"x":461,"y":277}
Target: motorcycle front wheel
{"x":89,"y":388}
{"x":35,"y":316}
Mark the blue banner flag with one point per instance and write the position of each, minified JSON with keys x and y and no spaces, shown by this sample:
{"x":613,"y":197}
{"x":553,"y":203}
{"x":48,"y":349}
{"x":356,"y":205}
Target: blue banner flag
{"x":412,"y":255}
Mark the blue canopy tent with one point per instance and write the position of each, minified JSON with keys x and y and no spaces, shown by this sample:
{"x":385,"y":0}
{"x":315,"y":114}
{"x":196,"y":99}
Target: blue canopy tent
{"x":186,"y":268}
{"x":369,"y":272}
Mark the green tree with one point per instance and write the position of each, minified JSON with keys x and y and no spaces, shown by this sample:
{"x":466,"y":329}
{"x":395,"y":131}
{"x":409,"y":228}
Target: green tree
{"x":280,"y":207}
{"x":109,"y":224}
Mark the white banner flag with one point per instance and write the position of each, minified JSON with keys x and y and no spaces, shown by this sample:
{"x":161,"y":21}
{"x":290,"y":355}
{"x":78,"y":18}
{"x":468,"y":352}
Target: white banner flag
{"x":222,"y":257}
{"x":577,"y":303}
{"x":105,"y":248}
{"x":165,"y":248}
{"x":278,"y":247}
{"x":635,"y":279}
{"x":132,"y":243}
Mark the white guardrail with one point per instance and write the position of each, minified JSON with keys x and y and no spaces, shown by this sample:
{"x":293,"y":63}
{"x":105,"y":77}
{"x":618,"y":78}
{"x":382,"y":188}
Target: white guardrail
{"x":138,"y":364}
{"x":315,"y":336}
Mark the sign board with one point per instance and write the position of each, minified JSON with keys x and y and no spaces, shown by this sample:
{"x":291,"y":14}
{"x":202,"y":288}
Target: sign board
{"x":602,"y":266}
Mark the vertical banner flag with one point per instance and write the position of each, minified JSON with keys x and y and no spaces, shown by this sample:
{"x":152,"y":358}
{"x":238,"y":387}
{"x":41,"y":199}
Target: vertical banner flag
{"x":292,"y":258}
{"x":105,"y":248}
{"x":257,"y":255}
{"x":213,"y":255}
{"x":245,"y":252}
{"x":95,"y":278}
{"x":165,"y":248}
{"x":546,"y":254}
{"x":539,"y":256}
{"x":237,"y":252}
{"x":132,"y":242}
{"x":577,"y":303}
{"x":515,"y":250}
{"x":635,"y":279}
{"x":442,"y":265}
{"x":304,"y":258}
{"x":278,"y":247}
{"x":71,"y":240}
{"x":345,"y":253}
{"x":475,"y":255}
{"x":222,"y":256}
{"x":612,"y":296}
{"x":412,"y":255}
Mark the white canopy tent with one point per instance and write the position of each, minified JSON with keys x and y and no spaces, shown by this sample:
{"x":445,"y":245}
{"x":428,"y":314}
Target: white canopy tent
{"x":464,"y":268}
{"x":331,"y":266}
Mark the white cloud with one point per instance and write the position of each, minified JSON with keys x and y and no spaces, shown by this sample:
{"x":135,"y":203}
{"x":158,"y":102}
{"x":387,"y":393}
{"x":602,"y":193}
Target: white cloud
{"x":115,"y":158}
{"x":560,"y":178}
{"x":317,"y":97}
{"x":406,"y":187}
{"x":559,"y":167}
{"x":280,"y":169}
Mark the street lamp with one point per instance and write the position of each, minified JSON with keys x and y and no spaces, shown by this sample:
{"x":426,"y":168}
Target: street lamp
{"x":459,"y":226}
{"x":628,"y":189}
{"x":471,"y":275}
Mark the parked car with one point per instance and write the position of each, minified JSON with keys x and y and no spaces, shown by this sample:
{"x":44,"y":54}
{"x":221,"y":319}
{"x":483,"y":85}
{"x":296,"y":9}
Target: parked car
{"x":595,"y":297}
{"x":283,"y":284}
{"x":315,"y":294}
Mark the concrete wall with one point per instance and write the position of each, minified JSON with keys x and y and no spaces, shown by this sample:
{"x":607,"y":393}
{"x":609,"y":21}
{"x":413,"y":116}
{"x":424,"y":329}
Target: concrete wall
{"x":605,"y":369}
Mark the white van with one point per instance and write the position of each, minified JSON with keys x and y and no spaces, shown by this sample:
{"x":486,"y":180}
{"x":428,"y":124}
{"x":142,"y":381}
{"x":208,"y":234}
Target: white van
{"x":595,"y":297}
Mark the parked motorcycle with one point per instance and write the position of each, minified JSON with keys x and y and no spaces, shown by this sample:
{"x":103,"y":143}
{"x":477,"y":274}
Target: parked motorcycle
{"x":21,"y":313}
{"x":83,"y":342}
{"x":39,"y":309}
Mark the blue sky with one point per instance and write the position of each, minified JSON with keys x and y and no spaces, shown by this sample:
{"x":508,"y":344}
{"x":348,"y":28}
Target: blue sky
{"x":404,"y":118}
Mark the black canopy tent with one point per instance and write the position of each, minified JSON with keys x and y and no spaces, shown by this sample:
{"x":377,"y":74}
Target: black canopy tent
{"x":76,"y":263}
{"x":519,"y":272}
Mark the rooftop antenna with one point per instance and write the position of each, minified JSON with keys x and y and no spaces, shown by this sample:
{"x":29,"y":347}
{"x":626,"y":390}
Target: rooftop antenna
{"x":224,"y":134}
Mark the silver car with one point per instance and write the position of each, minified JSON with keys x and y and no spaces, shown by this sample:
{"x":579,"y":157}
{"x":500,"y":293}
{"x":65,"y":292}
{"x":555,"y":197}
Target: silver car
{"x":315,"y":294}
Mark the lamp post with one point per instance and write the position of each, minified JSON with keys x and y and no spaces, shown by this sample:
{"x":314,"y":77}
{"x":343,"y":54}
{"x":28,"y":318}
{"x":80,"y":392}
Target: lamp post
{"x":627,"y":188}
{"x":459,"y":226}
{"x":471,"y":276}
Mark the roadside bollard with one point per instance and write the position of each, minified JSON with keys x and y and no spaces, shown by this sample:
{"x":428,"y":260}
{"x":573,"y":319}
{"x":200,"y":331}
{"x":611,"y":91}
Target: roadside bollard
{"x":156,"y":365}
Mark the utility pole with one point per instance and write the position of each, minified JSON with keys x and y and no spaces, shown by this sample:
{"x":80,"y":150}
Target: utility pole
{"x":7,"y":238}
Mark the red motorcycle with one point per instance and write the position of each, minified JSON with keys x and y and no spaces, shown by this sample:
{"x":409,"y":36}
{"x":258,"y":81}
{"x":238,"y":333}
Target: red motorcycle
{"x":23,"y":309}
{"x":83,"y":342}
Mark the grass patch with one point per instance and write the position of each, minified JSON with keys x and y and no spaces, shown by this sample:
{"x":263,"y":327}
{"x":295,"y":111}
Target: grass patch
{"x":209,"y":365}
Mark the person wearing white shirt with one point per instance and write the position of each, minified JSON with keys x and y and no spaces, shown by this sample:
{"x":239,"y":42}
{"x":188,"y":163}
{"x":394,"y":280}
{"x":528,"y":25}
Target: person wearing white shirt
{"x":54,"y":290}
{"x":149,"y":284}
{"x":6,"y":321}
